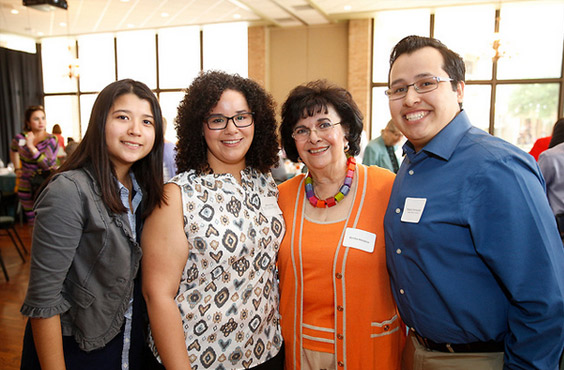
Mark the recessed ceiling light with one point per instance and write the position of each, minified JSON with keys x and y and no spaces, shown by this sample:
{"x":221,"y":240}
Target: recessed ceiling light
{"x":124,"y":1}
{"x":15,"y":11}
{"x":164,"y":14}
{"x":130,"y":25}
{"x":347,"y":8}
{"x":237,"y":16}
{"x":62,"y":24}
{"x":40,"y":33}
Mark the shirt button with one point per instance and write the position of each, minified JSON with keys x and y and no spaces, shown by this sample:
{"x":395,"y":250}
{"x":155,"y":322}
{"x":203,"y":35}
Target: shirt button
{"x":338,"y":276}
{"x":340,"y":336}
{"x":402,"y":291}
{"x":411,"y":172}
{"x":386,"y":327}
{"x":339,"y":308}
{"x":398,"y":210}
{"x":341,"y":364}
{"x":398,"y":251}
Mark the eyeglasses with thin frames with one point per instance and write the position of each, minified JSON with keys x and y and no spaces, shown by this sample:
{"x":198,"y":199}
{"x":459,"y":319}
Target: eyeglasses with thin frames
{"x":219,"y":121}
{"x":302,"y":133}
{"x":421,"y":86}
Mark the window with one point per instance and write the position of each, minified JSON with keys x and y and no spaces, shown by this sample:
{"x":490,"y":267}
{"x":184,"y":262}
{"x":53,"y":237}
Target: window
{"x":226,"y":48}
{"x":176,"y":51}
{"x":97,"y":61}
{"x":136,"y":56}
{"x":179,"y":62}
{"x":525,"y":76}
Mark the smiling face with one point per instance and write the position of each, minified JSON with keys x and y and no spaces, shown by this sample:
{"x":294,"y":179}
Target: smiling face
{"x":130,"y":132}
{"x":227,"y":148}
{"x":422,"y":116}
{"x":37,"y":121}
{"x":325,"y":151}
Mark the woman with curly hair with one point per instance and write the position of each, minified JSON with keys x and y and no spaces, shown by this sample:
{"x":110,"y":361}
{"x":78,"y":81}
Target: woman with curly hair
{"x":209,"y":254}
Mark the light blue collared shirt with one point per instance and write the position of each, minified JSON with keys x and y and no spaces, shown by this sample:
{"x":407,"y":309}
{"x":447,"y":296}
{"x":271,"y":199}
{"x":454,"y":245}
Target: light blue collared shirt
{"x":137,"y":197}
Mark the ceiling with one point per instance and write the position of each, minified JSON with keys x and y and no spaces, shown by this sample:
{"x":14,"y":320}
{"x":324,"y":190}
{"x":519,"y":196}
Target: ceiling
{"x":96,"y":16}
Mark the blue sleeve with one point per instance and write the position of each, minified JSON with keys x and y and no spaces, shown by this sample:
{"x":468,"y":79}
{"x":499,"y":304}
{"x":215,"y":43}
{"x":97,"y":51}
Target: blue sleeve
{"x":515,"y":233}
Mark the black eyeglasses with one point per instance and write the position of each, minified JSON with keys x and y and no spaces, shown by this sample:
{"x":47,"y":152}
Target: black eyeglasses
{"x":219,"y":121}
{"x":421,"y":86}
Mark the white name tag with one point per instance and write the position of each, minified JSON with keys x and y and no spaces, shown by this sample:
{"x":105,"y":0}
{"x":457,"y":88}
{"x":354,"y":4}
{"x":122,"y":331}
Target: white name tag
{"x":359,"y":239}
{"x":413,"y":209}
{"x":21,"y":142}
{"x":270,"y":206}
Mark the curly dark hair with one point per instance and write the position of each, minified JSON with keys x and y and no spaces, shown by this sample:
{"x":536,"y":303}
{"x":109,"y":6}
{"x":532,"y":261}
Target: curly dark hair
{"x":312,"y":98}
{"x":201,"y":97}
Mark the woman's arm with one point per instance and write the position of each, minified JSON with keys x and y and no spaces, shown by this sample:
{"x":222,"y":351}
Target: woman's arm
{"x":48,"y":342}
{"x":165,"y":252}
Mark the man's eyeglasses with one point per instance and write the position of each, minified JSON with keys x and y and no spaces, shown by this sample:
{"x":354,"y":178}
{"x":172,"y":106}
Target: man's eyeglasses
{"x":421,"y":86}
{"x":219,"y":121}
{"x":302,"y":133}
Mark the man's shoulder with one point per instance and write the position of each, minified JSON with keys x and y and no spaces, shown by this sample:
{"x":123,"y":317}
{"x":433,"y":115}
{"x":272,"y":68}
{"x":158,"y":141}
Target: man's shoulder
{"x":482,"y":145}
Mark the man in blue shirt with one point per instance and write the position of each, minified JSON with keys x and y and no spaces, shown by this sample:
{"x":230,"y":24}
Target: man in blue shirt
{"x":382,"y":150}
{"x":473,"y":252}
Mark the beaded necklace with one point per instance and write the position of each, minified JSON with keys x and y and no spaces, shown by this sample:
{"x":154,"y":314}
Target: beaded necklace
{"x":343,"y":191}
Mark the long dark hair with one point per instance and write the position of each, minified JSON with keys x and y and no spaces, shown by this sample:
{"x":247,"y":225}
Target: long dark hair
{"x":557,"y":133}
{"x":202,"y":95}
{"x":93,"y":152}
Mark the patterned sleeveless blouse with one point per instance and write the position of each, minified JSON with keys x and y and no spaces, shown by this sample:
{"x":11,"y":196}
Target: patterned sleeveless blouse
{"x":228,"y":294}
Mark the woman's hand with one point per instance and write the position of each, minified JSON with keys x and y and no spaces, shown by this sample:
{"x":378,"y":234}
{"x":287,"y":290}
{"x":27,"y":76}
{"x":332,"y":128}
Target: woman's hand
{"x":30,"y":138}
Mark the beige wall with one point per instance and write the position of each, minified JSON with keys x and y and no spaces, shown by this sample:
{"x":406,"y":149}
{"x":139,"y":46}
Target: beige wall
{"x":302,"y":54}
{"x":282,"y":58}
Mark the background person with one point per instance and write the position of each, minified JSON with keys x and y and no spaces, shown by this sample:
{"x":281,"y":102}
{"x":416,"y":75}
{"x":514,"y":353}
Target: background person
{"x":382,"y":150}
{"x":336,"y":304}
{"x":475,"y":259}
{"x":34,"y":155}
{"x":61,"y":154}
{"x":551,"y":163}
{"x":84,"y":298}
{"x":169,"y":154}
{"x":209,"y":254}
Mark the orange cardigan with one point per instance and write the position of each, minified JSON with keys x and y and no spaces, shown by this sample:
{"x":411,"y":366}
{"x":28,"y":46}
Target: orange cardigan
{"x":369,"y":333}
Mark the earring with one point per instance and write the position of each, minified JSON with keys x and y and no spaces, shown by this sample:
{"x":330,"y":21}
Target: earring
{"x":347,"y":147}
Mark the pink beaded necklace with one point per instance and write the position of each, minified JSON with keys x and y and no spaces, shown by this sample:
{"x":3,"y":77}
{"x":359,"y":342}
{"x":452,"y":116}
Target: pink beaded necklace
{"x":331,"y":201}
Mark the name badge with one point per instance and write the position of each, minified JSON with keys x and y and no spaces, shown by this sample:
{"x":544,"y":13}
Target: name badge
{"x":270,"y":206}
{"x":21,"y":142}
{"x":359,"y":239}
{"x":413,"y":209}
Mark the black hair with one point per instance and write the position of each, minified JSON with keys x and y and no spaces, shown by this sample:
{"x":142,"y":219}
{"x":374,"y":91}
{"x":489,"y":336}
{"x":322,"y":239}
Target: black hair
{"x":201,"y":97}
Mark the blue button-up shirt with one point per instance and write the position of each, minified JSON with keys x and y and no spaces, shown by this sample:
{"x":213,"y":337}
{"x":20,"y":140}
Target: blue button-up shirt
{"x":485,"y":260}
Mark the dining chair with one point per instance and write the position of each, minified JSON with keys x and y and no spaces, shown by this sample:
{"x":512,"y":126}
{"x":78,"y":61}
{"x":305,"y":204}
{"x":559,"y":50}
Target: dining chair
{"x":8,"y":207}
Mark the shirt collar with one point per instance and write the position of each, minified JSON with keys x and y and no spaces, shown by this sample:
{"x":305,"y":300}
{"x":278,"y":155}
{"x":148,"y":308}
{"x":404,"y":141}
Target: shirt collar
{"x":445,"y":142}
{"x":124,"y":193}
